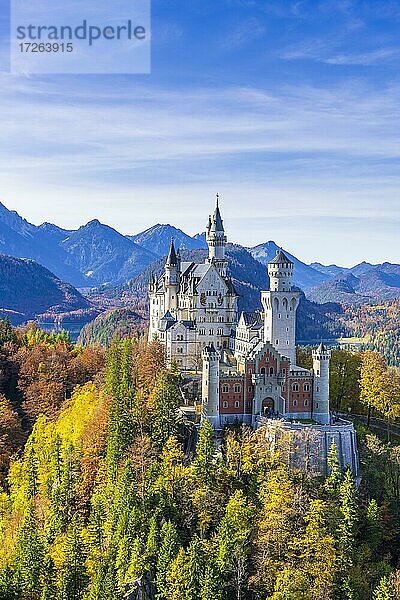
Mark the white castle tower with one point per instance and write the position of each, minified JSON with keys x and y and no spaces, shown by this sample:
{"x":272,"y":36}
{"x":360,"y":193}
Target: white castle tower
{"x":216,"y":240}
{"x":280,"y":304}
{"x":210,"y":386}
{"x":171,"y":280}
{"x":321,"y":360}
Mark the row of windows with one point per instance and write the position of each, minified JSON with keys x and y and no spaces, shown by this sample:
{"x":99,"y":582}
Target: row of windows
{"x":211,"y":332}
{"x":237,"y":388}
{"x":225,"y":404}
{"x":211,"y":319}
{"x":296,"y":402}
{"x":296,"y":387}
{"x":271,"y":371}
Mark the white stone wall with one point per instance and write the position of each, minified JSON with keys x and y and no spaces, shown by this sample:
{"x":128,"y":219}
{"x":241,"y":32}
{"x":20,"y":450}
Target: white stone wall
{"x":280,"y":321}
{"x":210,"y":388}
{"x":321,"y":412}
{"x":307,"y":447}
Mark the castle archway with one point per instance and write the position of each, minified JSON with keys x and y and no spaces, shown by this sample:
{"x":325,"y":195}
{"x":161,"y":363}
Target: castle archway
{"x":267,"y":406}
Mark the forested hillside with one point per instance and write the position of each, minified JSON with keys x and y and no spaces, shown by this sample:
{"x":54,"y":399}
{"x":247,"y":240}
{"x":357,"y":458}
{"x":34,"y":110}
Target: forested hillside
{"x":378,"y":324}
{"x":28,"y":290}
{"x":104,"y":498}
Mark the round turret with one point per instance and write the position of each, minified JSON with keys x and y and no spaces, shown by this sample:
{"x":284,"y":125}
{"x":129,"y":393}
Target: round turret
{"x":280,"y":271}
{"x":210,"y":386}
{"x":321,"y":362}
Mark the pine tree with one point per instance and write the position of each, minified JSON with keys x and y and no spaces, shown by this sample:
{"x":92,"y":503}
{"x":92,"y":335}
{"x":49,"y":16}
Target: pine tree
{"x":120,"y":385}
{"x":9,"y":589}
{"x":205,"y":454}
{"x":374,"y":529}
{"x":211,"y":588}
{"x":165,"y":400}
{"x":234,"y":537}
{"x":74,"y":577}
{"x":168,"y":550}
{"x":348,"y":517}
{"x":29,"y":554}
{"x":31,"y":466}
{"x":152,"y":544}
{"x":332,"y":482}
{"x":384,"y":591}
{"x":49,"y":590}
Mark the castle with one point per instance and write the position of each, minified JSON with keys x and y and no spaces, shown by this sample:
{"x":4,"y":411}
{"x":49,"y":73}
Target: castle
{"x":248,"y":363}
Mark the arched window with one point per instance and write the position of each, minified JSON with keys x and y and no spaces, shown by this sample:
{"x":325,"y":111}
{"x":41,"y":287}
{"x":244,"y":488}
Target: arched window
{"x":225,"y":388}
{"x":306,"y":387}
{"x":238,"y":388}
{"x":225,"y":404}
{"x":237,"y":404}
{"x":262,"y":371}
{"x":295,"y":387}
{"x":271,"y":370}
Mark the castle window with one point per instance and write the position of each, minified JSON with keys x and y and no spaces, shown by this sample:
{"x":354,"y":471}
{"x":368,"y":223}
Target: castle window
{"x":306,"y":402}
{"x":295,"y":387}
{"x":237,"y":404}
{"x":294,"y":402}
{"x":283,"y":371}
{"x":225,"y":404}
{"x":271,"y":370}
{"x":225,"y":388}
{"x":238,"y":388}
{"x":220,"y":331}
{"x":211,"y":332}
{"x":276,"y":342}
{"x":262,"y":371}
{"x":306,"y":387}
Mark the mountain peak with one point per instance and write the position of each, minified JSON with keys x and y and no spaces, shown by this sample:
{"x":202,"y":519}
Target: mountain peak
{"x":158,"y":239}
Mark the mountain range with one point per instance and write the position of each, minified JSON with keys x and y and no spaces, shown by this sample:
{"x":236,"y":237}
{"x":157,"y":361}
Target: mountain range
{"x":30,"y":291}
{"x":359,"y":285}
{"x":97,"y":255}
{"x":249,"y":277}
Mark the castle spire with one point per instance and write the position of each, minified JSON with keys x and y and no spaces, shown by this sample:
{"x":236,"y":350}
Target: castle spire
{"x":172,"y":258}
{"x":216,"y":223}
{"x":216,"y":240}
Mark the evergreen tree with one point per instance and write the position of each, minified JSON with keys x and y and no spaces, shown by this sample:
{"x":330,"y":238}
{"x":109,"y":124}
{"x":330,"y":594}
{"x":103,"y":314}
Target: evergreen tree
{"x":234,"y":537}
{"x":165,"y":401}
{"x":29,"y":554}
{"x":152,"y":544}
{"x":74,"y":577}
{"x":347,"y":532}
{"x":348,"y":517}
{"x":168,"y":550}
{"x":374,"y":528}
{"x":211,"y":588}
{"x":205,"y":454}
{"x":332,"y":482}
{"x":9,"y":589}
{"x":384,"y":591}
{"x":49,"y":590}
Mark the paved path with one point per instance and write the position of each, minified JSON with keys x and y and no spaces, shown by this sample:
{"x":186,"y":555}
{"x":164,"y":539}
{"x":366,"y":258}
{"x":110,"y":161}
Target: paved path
{"x":374,"y":421}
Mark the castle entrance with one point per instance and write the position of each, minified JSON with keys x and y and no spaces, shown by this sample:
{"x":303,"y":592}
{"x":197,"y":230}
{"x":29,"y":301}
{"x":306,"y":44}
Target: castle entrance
{"x":267,"y":406}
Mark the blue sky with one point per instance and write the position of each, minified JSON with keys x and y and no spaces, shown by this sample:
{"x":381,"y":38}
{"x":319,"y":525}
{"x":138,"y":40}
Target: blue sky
{"x":290,"y":110}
